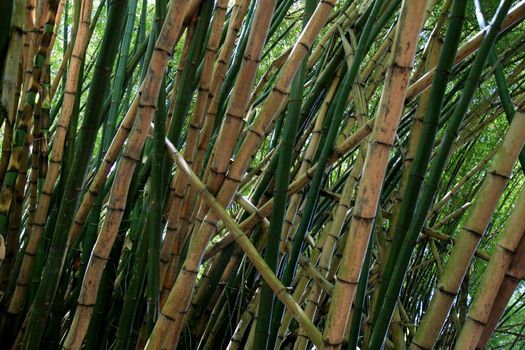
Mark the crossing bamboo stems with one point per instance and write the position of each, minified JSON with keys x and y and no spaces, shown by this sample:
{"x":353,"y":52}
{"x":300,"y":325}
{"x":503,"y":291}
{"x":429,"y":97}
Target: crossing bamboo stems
{"x":499,"y":263}
{"x":282,"y":177}
{"x":169,"y":34}
{"x":308,"y":158}
{"x":224,"y":298}
{"x":472,"y":231}
{"x":178,"y":188}
{"x":340,"y":214}
{"x":56,"y":157}
{"x":382,"y":137}
{"x":273,"y":105}
{"x":277,"y":287}
{"x":515,"y":14}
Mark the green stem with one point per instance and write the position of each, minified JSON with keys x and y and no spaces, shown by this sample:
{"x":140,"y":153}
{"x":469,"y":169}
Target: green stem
{"x":432,"y":182}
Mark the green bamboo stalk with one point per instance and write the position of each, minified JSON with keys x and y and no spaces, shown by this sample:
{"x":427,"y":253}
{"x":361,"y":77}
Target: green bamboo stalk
{"x":23,"y":123}
{"x":87,"y":137}
{"x":282,"y":178}
{"x":155,"y":194}
{"x":501,"y":82}
{"x":118,"y":83}
{"x":428,"y":135}
{"x":155,"y":213}
{"x":430,"y":186}
{"x":340,"y":105}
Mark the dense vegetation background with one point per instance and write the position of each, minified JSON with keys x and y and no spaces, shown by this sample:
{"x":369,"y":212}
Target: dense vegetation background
{"x":262,"y":174}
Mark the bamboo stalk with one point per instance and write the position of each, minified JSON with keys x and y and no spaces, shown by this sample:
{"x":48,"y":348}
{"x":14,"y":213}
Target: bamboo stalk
{"x":169,"y":34}
{"x":23,"y":123}
{"x":400,"y":265}
{"x":382,"y":137}
{"x":499,"y":263}
{"x":56,"y":158}
{"x":472,"y":231}
{"x":277,"y":287}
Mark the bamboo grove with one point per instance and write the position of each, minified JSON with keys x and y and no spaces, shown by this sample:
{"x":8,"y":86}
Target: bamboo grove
{"x":236,"y":174}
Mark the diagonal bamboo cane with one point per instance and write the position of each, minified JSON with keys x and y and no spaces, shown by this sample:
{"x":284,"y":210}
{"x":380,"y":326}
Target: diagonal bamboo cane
{"x":389,"y":114}
{"x":277,"y":287}
{"x":493,"y":277}
{"x":472,"y":231}
{"x":169,"y":34}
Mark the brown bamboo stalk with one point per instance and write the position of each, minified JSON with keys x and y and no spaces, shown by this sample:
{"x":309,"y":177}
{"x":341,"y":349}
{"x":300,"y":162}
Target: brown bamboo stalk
{"x":382,"y":138}
{"x":40,"y":219}
{"x":169,"y":34}
{"x":67,"y":54}
{"x":471,"y":233}
{"x":341,"y":211}
{"x":515,"y":15}
{"x":513,"y":276}
{"x":239,"y":10}
{"x":170,"y":309}
{"x":60,"y":11}
{"x":235,"y":116}
{"x":105,"y":167}
{"x":12,"y":63}
{"x":178,"y":187}
{"x":178,"y":74}
{"x":13,"y":237}
{"x":28,"y":51}
{"x":434,"y":48}
{"x":493,"y":276}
